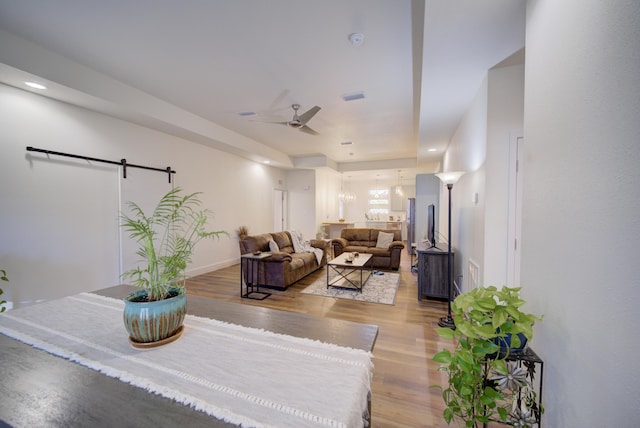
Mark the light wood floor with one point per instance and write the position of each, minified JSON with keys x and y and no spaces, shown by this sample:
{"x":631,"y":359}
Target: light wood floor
{"x":406,"y":342}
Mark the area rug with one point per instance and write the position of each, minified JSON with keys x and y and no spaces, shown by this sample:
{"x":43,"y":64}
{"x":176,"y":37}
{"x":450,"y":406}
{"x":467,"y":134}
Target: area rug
{"x":241,"y":375}
{"x":377,"y":289}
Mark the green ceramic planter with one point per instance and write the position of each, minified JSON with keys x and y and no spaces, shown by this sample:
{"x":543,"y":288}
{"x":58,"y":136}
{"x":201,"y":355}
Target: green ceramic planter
{"x":148,"y":322}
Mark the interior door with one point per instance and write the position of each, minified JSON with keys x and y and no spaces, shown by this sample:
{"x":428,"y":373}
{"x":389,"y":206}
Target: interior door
{"x":279,"y":210}
{"x":515,"y":209}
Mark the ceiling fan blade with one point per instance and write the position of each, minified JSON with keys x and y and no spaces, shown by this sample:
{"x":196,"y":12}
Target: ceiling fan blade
{"x":305,"y":128}
{"x":269,"y":119}
{"x":274,"y":105}
{"x":307,"y":115}
{"x":279,"y":122}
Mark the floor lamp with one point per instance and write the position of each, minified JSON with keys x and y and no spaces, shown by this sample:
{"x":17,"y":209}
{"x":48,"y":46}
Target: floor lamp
{"x":449,"y":178}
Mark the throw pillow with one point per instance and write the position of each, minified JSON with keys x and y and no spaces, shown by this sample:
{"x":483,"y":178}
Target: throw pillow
{"x":384,"y":239}
{"x":273,"y":247}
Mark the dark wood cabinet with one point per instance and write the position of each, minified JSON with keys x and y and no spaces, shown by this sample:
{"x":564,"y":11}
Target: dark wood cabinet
{"x":432,"y":273}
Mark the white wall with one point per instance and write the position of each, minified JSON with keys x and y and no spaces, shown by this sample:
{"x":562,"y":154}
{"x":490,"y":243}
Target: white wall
{"x":355,"y":211}
{"x":467,"y":152}
{"x":505,"y":118}
{"x":581,"y":228}
{"x":480,"y":146}
{"x":327,"y":188}
{"x":302,"y":200}
{"x":59,"y":217}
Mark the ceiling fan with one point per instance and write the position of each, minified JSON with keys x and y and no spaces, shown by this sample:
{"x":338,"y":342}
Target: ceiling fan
{"x":300,"y":122}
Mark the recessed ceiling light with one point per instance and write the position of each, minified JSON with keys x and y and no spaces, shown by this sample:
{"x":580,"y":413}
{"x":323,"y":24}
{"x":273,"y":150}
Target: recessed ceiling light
{"x":35,"y":85}
{"x":432,"y":150}
{"x":267,"y":162}
{"x":356,"y":39}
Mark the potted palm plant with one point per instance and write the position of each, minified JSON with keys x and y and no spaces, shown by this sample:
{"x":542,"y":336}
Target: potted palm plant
{"x":483,"y":385}
{"x":166,"y":238}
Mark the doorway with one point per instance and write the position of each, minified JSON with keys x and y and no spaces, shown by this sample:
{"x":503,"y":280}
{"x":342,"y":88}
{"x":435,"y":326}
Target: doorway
{"x":279,"y":210}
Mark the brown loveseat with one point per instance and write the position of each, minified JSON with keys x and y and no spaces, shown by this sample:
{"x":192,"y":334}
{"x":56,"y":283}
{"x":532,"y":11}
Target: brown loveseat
{"x":285,"y":266}
{"x":363,"y":240}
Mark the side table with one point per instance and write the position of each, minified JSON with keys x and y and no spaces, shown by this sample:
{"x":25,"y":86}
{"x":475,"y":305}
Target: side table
{"x":250,"y":268}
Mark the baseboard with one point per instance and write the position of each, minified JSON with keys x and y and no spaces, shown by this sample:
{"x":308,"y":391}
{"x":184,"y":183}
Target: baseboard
{"x":212,"y":267}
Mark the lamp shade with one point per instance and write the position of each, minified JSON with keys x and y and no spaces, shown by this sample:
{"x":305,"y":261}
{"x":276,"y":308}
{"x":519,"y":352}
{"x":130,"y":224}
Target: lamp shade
{"x":450,"y":177}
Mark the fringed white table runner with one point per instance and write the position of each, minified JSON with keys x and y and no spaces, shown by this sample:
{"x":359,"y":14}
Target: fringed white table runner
{"x":245,"y":376}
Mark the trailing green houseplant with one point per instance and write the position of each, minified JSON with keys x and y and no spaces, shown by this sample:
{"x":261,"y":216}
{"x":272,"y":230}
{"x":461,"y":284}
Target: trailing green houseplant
{"x":483,"y":385}
{"x":166,"y":239}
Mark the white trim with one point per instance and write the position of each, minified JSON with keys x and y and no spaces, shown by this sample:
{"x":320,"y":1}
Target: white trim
{"x":516,"y":141}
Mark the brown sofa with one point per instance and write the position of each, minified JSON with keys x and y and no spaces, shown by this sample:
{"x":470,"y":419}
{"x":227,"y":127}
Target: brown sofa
{"x":364,"y":240}
{"x":284,"y":267}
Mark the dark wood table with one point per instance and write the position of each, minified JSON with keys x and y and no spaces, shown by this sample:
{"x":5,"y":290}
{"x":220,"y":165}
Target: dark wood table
{"x":39,"y":389}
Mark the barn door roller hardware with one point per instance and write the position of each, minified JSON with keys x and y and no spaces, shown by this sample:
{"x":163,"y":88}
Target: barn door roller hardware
{"x":123,"y":162}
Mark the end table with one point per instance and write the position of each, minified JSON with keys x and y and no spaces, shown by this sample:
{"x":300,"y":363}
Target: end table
{"x":250,"y":276}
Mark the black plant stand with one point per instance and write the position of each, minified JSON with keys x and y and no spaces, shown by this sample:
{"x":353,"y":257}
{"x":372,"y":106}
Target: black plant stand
{"x":533,"y":364}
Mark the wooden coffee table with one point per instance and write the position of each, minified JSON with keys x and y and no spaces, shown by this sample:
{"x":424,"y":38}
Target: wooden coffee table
{"x":345,"y":268}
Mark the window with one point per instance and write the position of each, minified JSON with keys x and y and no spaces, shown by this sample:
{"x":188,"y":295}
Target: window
{"x":378,"y":202}
{"x":379,"y":193}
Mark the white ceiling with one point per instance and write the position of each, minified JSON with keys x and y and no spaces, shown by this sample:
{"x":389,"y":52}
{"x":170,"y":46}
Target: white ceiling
{"x":189,"y":67}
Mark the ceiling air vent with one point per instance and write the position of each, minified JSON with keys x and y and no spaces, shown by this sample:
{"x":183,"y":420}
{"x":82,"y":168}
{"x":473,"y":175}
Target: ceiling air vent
{"x":353,"y":96}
